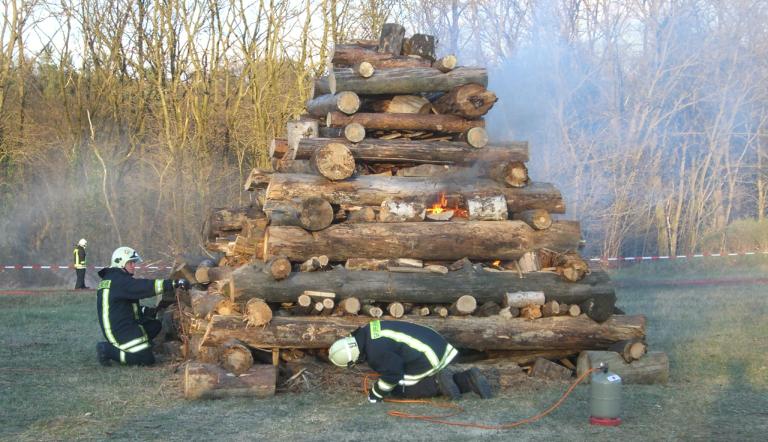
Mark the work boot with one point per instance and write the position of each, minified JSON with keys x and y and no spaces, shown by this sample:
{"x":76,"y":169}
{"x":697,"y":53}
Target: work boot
{"x":447,"y":386}
{"x":472,"y":380}
{"x":102,"y":354}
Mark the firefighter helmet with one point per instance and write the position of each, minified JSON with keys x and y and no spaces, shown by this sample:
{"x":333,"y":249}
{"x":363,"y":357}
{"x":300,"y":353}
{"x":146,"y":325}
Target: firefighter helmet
{"x":344,"y":352}
{"x":123,"y":255}
{"x":82,"y":242}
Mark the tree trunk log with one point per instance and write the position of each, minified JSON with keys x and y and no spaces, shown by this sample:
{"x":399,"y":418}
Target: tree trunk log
{"x":230,"y":220}
{"x":349,"y":55}
{"x":333,"y":161}
{"x":476,"y":137}
{"x":257,"y":313}
{"x":447,"y":64}
{"x":349,"y":306}
{"x":465,"y":305}
{"x":364,"y":69}
{"x":391,"y":39}
{"x":421,"y":45}
{"x":354,"y":132}
{"x":235,"y":357}
{"x":560,"y":332}
{"x":467,"y":101}
{"x":420,"y":152}
{"x":371,"y":311}
{"x":653,"y":368}
{"x":428,"y":288}
{"x":346,"y":102}
{"x":438,"y":123}
{"x":401,"y":81}
{"x":297,"y":130}
{"x":539,"y":219}
{"x":396,"y":211}
{"x":370,"y":190}
{"x":630,"y":350}
{"x":308,"y":213}
{"x":208,"y":381}
{"x":278,"y":267}
{"x":446,"y":241}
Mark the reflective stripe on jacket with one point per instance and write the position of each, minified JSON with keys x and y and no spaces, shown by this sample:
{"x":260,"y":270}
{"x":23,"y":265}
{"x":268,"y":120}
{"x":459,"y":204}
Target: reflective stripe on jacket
{"x":79,"y":254}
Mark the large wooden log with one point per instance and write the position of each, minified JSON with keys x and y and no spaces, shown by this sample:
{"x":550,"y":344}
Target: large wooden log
{"x":308,"y":213}
{"x":437,"y":123}
{"x":468,"y":101}
{"x":446,"y":241}
{"x":348,"y":55}
{"x":420,"y":152}
{"x":401,"y":81}
{"x":208,"y":381}
{"x":391,"y":38}
{"x":422,"y":45}
{"x":347,"y":102}
{"x":229,"y":220}
{"x":559,"y":332}
{"x":399,"y":104}
{"x":427,"y":288}
{"x":372,"y":190}
{"x":653,"y":368}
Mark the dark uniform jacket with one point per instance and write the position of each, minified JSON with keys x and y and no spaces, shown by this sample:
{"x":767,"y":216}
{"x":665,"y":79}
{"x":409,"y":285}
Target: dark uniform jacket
{"x":402,"y":353}
{"x":118,"y":306}
{"x":79,"y":256}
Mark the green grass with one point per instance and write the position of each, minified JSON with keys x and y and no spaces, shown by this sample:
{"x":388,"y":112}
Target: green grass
{"x":51,"y":387}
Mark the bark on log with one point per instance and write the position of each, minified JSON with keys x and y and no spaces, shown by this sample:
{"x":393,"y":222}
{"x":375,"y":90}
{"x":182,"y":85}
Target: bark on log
{"x":203,"y":304}
{"x":420,"y":152}
{"x":522,"y":299}
{"x":293,"y":166}
{"x":333,"y":161}
{"x":257,"y":179}
{"x":653,"y":368}
{"x":371,"y":311}
{"x":429,"y":288}
{"x":235,"y":357}
{"x":297,"y":130}
{"x":347,"y":102}
{"x":539,"y":219}
{"x":546,"y":369}
{"x":229,"y":220}
{"x":399,"y":104}
{"x":310,"y":213}
{"x":356,"y":264}
{"x":391,"y":39}
{"x":480,"y":240}
{"x":438,"y":123}
{"x":349,"y":55}
{"x":488,"y":308}
{"x":422,"y":45}
{"x":560,"y":332}
{"x":468,"y":101}
{"x":396,"y":211}
{"x":401,"y":81}
{"x":208,"y":381}
{"x":513,"y":173}
{"x":369,"y":190}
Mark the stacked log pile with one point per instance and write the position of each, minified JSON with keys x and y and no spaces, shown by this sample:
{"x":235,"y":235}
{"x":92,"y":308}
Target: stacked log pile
{"x":387,"y":200}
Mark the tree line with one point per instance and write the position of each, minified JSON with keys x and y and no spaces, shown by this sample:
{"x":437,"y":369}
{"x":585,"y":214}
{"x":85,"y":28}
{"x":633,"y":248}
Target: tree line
{"x":126,"y":121}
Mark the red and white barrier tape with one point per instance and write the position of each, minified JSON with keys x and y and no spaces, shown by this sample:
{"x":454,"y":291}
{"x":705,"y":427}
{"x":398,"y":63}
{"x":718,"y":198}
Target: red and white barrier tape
{"x":691,"y":256}
{"x":58,"y":267}
{"x":595,"y":259}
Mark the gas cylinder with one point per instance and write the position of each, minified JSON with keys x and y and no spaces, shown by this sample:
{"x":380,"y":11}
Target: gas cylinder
{"x":605,"y":397}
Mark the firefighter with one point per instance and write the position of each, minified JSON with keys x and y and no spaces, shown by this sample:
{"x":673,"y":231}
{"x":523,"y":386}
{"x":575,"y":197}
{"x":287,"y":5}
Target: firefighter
{"x":80,"y":264}
{"x":127,"y":326}
{"x":410,"y":359}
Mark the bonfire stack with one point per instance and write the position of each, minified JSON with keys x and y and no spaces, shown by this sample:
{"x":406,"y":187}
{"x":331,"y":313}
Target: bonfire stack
{"x":388,"y":200}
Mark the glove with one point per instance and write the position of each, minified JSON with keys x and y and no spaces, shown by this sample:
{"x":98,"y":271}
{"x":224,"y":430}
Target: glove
{"x":181,"y":284}
{"x":148,"y":312}
{"x":372,"y":398}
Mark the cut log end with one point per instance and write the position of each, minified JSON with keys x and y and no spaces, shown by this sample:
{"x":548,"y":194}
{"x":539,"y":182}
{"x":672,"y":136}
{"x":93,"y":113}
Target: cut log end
{"x":354,"y":132}
{"x":363,"y":69}
{"x":334,"y":161}
{"x":445,"y":64}
{"x":477,"y":137}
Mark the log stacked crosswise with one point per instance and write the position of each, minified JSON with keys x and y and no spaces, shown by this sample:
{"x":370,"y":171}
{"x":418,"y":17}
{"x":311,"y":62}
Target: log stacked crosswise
{"x":387,"y":200}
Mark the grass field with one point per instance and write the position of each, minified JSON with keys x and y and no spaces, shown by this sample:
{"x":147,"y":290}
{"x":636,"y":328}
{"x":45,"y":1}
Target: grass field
{"x":51,"y":387}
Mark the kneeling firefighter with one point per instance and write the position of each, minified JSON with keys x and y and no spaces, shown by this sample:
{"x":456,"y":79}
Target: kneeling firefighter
{"x":128,"y":327}
{"x":411,"y":361}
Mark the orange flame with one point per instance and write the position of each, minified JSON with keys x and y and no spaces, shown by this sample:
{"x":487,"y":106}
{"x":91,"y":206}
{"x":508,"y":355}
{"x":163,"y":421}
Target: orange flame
{"x":440,"y":205}
{"x":496,"y":263}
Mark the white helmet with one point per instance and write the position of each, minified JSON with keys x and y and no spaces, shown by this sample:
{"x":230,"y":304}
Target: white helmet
{"x":123,"y":255}
{"x":82,"y":242}
{"x":344,"y":352}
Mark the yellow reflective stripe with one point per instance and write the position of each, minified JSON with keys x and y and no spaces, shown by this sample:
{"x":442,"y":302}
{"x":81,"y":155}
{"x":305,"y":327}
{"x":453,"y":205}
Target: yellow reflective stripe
{"x":135,"y":311}
{"x":385,"y":386}
{"x":122,"y":357}
{"x":450,"y":354}
{"x":415,"y":344}
{"x":138,"y":348}
{"x":127,"y":346}
{"x":158,"y":287}
{"x":376,"y":393}
{"x":105,"y":317}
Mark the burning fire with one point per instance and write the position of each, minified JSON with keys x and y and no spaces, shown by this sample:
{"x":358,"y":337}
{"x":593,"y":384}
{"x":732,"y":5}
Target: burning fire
{"x":496,"y":263}
{"x":442,"y":205}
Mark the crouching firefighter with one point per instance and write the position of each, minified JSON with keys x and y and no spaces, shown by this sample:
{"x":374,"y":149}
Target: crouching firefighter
{"x":411,"y":361}
{"x":127,"y":326}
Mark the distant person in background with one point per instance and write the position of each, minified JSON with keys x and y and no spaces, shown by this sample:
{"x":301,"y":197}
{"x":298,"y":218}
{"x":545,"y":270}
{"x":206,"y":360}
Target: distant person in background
{"x":128,"y":327}
{"x":80,"y":264}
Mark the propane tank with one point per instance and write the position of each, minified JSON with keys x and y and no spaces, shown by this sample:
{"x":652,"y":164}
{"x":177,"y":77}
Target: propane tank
{"x":605,"y":397}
